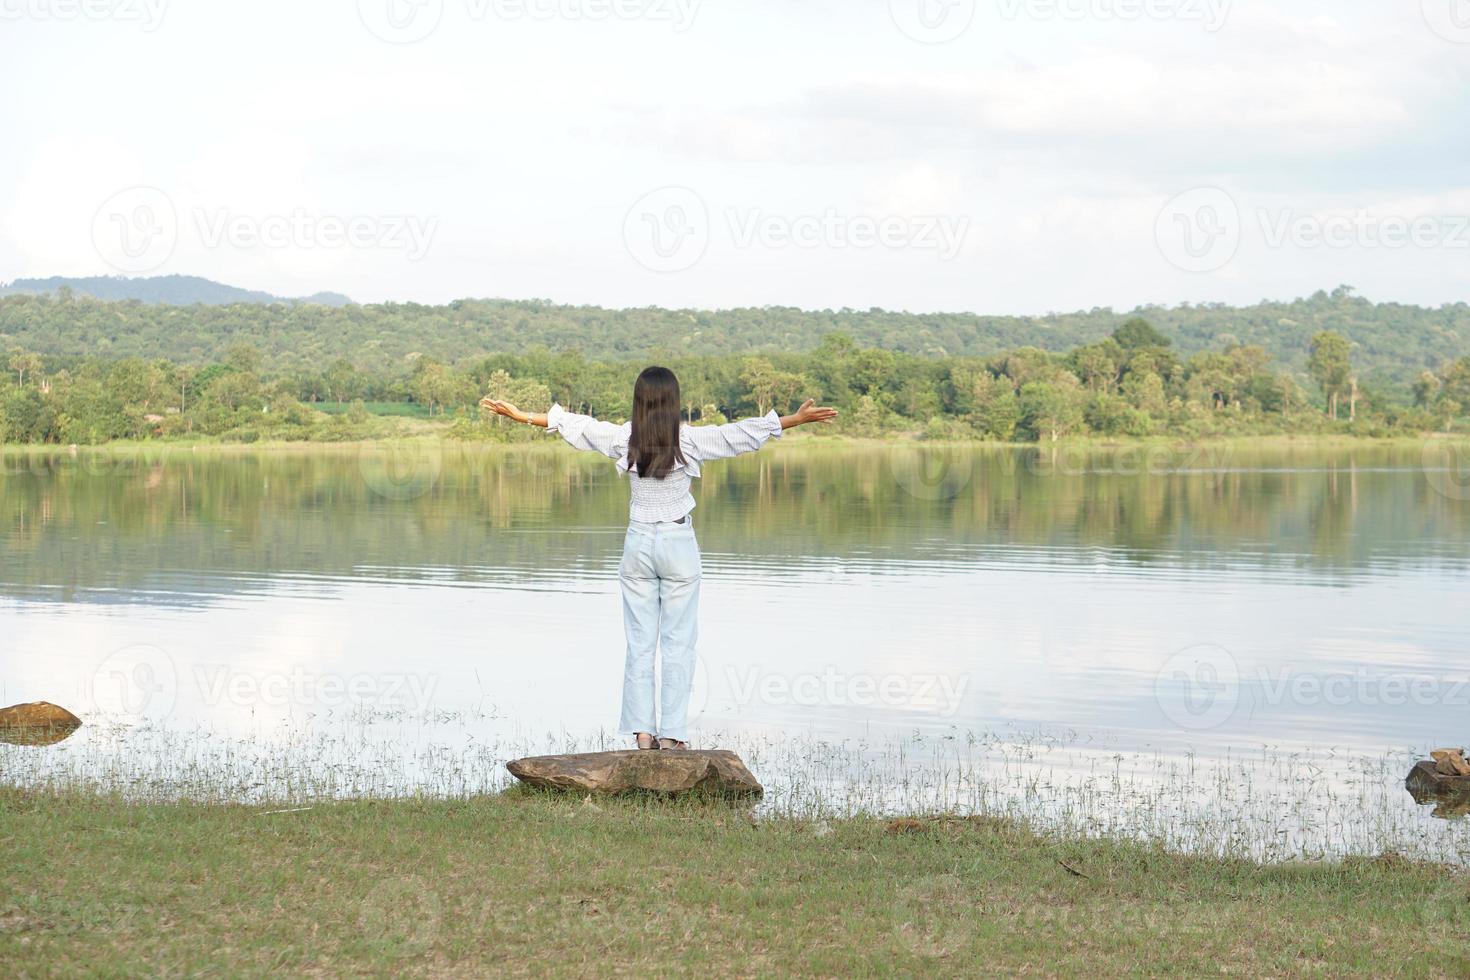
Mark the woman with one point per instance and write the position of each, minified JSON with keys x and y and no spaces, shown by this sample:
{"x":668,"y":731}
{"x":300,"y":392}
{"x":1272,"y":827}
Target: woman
{"x":660,"y":570}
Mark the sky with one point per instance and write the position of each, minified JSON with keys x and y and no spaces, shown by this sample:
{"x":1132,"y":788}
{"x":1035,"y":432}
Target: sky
{"x":990,"y":156}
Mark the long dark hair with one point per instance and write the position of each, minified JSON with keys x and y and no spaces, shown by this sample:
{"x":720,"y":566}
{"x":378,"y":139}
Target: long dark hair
{"x":653,"y":447}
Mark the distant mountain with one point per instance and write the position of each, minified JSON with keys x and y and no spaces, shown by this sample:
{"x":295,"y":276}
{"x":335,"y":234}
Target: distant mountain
{"x":171,"y":290}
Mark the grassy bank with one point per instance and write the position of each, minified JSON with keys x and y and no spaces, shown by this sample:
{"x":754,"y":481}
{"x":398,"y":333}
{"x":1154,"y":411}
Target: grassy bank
{"x":528,"y":884}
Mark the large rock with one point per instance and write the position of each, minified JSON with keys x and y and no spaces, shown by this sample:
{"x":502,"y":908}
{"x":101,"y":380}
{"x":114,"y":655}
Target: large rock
{"x":1426,"y":783}
{"x":711,"y":773}
{"x":37,"y":723}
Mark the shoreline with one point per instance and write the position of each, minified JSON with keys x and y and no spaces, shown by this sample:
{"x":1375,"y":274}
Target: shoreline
{"x":804,"y":440}
{"x":530,"y":882}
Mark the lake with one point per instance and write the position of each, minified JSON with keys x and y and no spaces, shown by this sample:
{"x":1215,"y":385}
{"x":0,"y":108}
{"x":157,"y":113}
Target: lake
{"x":1221,"y":647}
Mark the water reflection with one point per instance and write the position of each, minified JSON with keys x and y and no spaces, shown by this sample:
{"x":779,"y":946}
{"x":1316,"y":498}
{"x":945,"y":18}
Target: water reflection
{"x":1177,"y":603}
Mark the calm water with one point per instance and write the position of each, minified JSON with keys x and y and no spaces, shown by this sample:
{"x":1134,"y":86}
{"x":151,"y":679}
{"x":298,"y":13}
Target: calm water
{"x":1123,"y":621}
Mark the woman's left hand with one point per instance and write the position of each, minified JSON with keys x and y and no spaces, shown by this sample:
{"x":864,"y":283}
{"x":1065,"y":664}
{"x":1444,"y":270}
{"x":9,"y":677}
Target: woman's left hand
{"x":811,"y":412}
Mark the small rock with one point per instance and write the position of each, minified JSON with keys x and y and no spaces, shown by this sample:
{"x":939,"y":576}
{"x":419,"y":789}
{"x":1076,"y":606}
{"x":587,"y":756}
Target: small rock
{"x":1451,"y":762}
{"x":36,"y":723}
{"x":711,"y":773}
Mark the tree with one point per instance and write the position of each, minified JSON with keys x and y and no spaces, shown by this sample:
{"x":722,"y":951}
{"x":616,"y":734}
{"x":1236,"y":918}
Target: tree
{"x":339,"y":378}
{"x":1330,"y":365}
{"x":1099,"y":365}
{"x":770,"y":387}
{"x":1138,"y":333}
{"x":1050,"y":410}
{"x":23,"y":363}
{"x":1145,"y":392}
{"x":244,"y":357}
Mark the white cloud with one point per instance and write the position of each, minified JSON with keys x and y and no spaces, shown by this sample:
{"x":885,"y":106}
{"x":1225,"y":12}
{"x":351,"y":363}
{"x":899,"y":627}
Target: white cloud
{"x":529,"y":141}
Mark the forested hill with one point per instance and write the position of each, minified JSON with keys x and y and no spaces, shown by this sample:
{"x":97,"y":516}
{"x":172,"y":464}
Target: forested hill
{"x":1392,"y":342}
{"x":173,"y":290}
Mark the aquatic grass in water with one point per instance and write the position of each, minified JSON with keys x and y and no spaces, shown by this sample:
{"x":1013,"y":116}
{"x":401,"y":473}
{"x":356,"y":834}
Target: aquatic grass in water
{"x":1271,"y":804}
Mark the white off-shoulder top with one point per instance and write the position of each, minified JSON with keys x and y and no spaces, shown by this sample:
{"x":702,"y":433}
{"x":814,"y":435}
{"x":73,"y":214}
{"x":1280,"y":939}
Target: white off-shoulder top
{"x":668,"y":499}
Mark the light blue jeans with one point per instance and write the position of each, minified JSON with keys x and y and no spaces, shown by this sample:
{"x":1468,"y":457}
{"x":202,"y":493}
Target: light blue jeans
{"x":660,"y":574}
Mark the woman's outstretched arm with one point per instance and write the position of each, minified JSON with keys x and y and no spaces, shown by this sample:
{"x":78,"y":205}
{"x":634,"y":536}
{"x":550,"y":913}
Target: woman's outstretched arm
{"x":508,"y":410}
{"x":709,"y":442}
{"x":580,"y":431}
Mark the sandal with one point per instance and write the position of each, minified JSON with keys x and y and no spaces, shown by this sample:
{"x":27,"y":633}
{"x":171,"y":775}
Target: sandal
{"x":672,"y":743}
{"x":652,"y":742}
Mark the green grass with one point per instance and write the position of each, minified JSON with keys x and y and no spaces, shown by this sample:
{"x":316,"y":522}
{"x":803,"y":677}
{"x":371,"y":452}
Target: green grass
{"x":524,"y":883}
{"x":399,"y":409}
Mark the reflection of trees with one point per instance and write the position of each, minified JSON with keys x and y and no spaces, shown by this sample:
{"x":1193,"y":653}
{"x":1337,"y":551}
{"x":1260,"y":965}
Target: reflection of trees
{"x":178,"y":517}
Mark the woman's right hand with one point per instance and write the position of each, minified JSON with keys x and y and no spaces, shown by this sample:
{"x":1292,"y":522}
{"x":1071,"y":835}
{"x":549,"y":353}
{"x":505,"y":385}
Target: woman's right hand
{"x":505,"y":408}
